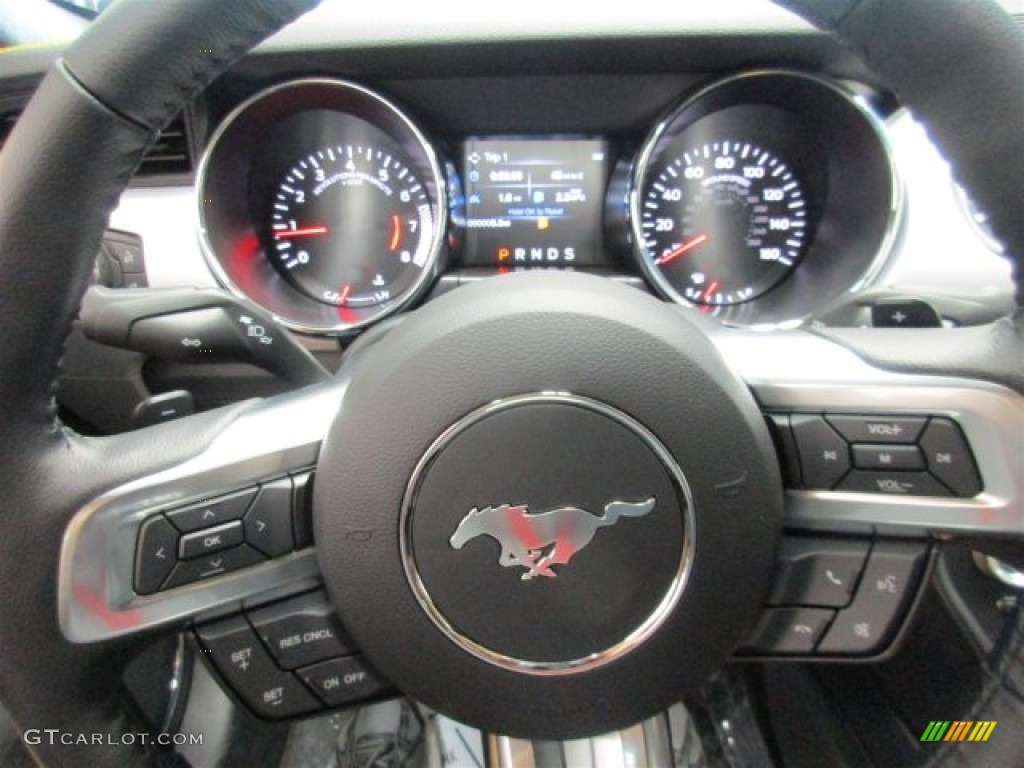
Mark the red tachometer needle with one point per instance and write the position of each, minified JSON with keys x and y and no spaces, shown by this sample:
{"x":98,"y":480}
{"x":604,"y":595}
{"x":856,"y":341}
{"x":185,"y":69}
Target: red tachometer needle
{"x":710,"y":291}
{"x":304,"y":232}
{"x":396,"y":232}
{"x":686,"y":247}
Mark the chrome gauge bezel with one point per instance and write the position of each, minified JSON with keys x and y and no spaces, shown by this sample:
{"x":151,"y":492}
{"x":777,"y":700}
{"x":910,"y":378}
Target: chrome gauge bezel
{"x":848,"y":269}
{"x":227,"y":166}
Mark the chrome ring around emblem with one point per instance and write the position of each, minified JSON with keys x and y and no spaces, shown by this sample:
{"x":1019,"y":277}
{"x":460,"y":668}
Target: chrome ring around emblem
{"x":535,"y":564}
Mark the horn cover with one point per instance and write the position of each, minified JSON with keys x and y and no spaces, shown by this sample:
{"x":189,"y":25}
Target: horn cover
{"x":583,"y":509}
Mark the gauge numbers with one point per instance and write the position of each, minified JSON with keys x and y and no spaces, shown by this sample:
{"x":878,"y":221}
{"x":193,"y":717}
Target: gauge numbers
{"x":723,"y":222}
{"x":351,"y":225}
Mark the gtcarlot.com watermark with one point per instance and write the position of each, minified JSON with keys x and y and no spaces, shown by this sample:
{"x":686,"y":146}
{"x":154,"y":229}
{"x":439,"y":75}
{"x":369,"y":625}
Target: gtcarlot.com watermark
{"x":53,"y":737}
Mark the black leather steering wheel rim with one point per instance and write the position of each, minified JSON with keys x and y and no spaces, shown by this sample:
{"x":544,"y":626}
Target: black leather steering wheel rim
{"x":126,"y":77}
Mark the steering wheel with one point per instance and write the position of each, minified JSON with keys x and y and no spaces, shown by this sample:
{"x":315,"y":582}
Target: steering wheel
{"x":556,"y":364}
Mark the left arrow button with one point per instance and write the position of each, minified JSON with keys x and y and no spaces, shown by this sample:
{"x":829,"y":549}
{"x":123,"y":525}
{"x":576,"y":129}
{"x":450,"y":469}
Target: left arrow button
{"x":155,"y":554}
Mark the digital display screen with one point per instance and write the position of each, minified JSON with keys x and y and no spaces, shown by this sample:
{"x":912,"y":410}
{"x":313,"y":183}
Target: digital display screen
{"x":534,"y":202}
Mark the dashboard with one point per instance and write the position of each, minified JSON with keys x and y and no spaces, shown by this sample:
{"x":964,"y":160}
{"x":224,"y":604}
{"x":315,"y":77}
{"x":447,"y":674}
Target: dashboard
{"x":516,"y":156}
{"x":759,"y":197}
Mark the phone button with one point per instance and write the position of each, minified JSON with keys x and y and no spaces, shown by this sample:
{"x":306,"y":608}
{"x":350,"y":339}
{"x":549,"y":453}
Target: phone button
{"x":818,"y":572}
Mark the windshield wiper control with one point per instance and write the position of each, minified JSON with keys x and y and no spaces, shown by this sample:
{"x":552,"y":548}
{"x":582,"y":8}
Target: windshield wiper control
{"x":196,"y":326}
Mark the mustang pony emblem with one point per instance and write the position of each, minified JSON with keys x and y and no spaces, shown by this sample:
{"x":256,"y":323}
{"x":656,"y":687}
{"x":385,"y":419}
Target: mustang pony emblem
{"x":538,"y":541}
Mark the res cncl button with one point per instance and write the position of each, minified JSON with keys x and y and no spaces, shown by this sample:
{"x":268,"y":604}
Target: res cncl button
{"x":301,"y":631}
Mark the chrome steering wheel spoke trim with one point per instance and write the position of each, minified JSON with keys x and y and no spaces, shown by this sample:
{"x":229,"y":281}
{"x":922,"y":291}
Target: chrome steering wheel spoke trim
{"x":96,"y":593}
{"x":800,"y":372}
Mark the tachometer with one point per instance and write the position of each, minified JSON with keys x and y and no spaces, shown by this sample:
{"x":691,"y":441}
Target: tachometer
{"x":722,"y":221}
{"x":323,"y":203}
{"x":351,"y":225}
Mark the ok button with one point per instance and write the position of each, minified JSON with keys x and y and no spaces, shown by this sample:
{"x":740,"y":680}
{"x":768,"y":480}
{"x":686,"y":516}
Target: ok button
{"x":210,"y":540}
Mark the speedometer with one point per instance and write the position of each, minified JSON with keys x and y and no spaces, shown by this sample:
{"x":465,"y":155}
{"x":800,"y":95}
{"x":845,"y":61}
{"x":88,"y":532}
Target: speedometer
{"x":722,"y":221}
{"x":762,"y":199}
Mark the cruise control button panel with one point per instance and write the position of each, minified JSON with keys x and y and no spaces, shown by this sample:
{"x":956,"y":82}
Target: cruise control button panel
{"x":290,"y":658}
{"x":245,"y":665}
{"x":888,"y":455}
{"x":212,"y":537}
{"x":838,"y":597}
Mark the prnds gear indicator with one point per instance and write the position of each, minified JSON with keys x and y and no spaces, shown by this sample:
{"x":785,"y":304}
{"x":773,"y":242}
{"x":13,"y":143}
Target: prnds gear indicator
{"x":534,"y":202}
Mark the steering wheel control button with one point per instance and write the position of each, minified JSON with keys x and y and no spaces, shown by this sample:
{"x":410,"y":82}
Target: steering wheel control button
{"x":888,"y":457}
{"x":207,"y":514}
{"x":243,"y":662}
{"x":167,"y":406}
{"x":126,"y":249}
{"x":209,"y":566}
{"x":589,"y":572}
{"x":818,"y":571}
{"x":824,"y":455}
{"x":300,"y":631}
{"x":893,"y":483}
{"x":788,"y":631}
{"x":345,"y":681}
{"x":785,"y":444}
{"x":268,"y":523}
{"x":889,"y":582}
{"x":302,"y":509}
{"x":156,"y":554}
{"x":949,"y":458}
{"x":878,"y":429}
{"x":206,"y":542}
{"x":904,"y":313}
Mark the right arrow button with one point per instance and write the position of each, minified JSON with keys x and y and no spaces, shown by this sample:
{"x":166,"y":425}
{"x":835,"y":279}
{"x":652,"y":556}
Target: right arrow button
{"x":268,"y":523}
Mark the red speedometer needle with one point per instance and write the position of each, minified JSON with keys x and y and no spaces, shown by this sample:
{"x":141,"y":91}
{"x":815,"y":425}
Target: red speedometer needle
{"x":304,"y":232}
{"x":686,"y":247}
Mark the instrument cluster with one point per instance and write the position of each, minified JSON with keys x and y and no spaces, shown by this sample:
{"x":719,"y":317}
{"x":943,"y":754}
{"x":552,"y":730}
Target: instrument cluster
{"x":757,"y":199}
